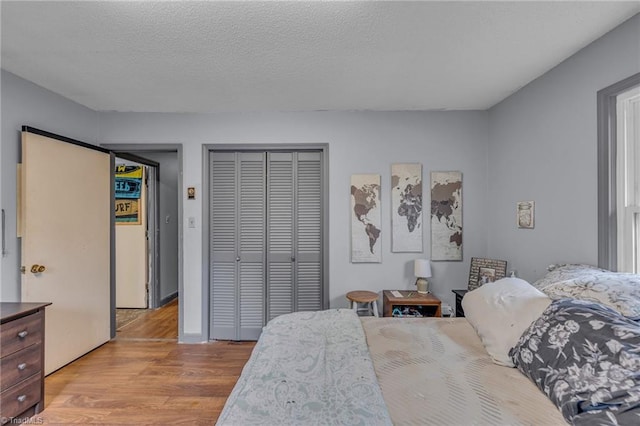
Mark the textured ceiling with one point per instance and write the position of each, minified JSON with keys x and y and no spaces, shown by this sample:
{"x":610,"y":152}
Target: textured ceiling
{"x":295,"y":56}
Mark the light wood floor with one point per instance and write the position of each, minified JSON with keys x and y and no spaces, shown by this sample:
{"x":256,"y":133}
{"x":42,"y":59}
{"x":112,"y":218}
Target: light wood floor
{"x":145,"y":381}
{"x":154,"y":324}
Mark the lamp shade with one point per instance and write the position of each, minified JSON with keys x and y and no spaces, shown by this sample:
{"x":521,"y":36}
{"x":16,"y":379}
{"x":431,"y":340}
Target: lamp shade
{"x":422,"y":268}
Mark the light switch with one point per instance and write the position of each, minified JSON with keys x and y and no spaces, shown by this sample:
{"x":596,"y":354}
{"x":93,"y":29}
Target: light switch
{"x":192,"y":222}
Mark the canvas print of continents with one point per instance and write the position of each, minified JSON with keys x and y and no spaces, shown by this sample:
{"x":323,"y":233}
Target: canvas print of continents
{"x":365,"y":219}
{"x":406,"y":207}
{"x":446,"y":216}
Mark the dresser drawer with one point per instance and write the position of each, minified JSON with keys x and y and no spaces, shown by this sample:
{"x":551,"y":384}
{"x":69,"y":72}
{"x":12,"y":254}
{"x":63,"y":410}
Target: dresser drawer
{"x":20,"y":333}
{"x":19,"y":398}
{"x":20,"y":365}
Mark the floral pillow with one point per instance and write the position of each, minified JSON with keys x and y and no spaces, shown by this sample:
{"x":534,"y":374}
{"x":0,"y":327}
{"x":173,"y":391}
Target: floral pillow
{"x":564,"y":272}
{"x":586,"y":358}
{"x":619,"y":291}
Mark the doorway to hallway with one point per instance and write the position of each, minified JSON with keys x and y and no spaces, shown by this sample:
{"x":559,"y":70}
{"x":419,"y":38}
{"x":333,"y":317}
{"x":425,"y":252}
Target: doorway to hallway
{"x":165,"y":291}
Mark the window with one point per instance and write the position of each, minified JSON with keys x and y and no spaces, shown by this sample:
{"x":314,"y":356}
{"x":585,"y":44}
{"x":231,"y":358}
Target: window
{"x":619,"y":175}
{"x":628,"y":179}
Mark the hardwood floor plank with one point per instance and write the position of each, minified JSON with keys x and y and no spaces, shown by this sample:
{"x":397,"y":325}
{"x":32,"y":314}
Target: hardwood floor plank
{"x":156,"y":324}
{"x":197,"y":403}
{"x":133,"y":381}
{"x":189,"y":371}
{"x":116,"y":402}
{"x":74,"y":416}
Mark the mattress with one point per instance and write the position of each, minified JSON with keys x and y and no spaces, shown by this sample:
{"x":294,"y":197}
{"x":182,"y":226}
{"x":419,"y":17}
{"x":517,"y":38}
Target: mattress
{"x":436,"y":372}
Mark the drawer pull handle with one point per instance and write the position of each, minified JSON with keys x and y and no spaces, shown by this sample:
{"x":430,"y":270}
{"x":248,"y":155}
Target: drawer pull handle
{"x":22,"y":366}
{"x":22,"y":398}
{"x":23,"y":334}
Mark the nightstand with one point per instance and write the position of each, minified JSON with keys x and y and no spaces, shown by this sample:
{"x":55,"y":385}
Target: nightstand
{"x":459,"y":295}
{"x":412,"y":302}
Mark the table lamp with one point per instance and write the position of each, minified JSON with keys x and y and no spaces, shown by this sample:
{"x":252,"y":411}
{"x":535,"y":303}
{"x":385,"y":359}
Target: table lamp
{"x":422,"y":270}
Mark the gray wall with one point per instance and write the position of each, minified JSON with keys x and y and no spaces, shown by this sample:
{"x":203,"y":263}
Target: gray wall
{"x":168,"y":227}
{"x":542,"y":147}
{"x":24,"y":103}
{"x":359,"y":142}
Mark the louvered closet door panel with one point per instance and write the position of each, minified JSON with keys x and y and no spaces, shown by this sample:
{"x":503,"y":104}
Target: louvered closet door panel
{"x":252,"y":244}
{"x":222,"y":246}
{"x":309,"y":231}
{"x":280,"y":243}
{"x":266,"y":239}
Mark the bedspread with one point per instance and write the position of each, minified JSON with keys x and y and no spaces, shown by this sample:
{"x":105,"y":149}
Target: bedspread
{"x":435,"y":372}
{"x":308,"y":368}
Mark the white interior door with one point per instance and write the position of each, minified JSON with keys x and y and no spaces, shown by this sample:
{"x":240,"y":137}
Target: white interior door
{"x":66,"y":210}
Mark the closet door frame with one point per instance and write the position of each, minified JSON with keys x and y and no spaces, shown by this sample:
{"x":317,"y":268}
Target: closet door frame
{"x":206,"y":149}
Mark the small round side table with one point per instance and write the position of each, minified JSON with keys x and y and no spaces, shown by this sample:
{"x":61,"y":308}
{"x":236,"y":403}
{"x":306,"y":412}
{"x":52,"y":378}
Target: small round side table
{"x":367,"y":298}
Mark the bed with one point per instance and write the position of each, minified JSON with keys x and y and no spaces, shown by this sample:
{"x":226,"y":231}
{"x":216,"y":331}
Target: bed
{"x":333,"y":367}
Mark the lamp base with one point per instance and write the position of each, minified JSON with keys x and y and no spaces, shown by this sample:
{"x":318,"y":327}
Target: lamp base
{"x":423,"y":285}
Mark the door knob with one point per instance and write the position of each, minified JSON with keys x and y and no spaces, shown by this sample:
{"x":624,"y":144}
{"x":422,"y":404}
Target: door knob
{"x":36,"y":269}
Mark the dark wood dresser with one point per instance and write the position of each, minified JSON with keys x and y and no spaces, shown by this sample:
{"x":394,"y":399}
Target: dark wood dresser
{"x":21,"y":360}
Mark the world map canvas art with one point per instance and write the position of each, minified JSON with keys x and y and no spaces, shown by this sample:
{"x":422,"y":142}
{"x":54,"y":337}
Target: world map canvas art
{"x":406,"y":207}
{"x":446,"y":215}
{"x":365,"y":219}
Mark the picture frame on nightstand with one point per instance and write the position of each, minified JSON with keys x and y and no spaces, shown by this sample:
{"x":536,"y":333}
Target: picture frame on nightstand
{"x":483,"y":271}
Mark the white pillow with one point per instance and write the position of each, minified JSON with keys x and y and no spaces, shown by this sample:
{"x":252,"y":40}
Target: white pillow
{"x":501,"y":311}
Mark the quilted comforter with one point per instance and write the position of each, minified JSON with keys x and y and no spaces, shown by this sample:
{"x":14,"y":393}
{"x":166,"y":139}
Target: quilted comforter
{"x":308,"y":368}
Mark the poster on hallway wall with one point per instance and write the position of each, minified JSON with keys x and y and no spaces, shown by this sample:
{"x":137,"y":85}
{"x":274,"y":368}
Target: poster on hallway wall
{"x":127,"y":211}
{"x":406,"y":207}
{"x":128,"y":181}
{"x":365,"y":219}
{"x":128,"y":189}
{"x":446,"y":215}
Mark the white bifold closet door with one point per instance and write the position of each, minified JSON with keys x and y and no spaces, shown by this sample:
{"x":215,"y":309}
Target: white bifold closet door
{"x":266,"y":239}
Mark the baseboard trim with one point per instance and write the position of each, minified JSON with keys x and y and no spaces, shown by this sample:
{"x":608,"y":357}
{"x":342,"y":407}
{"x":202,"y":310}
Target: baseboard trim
{"x":193,"y":338}
{"x":169,"y":298}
